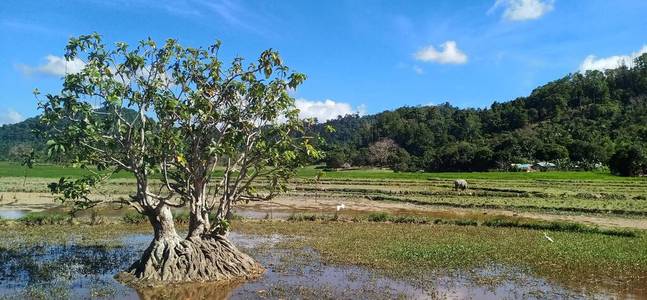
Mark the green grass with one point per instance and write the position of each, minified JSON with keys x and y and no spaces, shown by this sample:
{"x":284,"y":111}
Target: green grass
{"x":9,"y":169}
{"x":133,"y":217}
{"x":569,"y":192}
{"x":557,"y":226}
{"x":43,"y":218}
{"x":575,"y":259}
{"x":17,"y":234}
{"x":403,"y":249}
{"x":474,"y":220}
{"x":312,"y":171}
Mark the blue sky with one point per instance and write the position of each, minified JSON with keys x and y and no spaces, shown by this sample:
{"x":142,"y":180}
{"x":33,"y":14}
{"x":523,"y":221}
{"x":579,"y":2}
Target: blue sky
{"x":365,"y":56}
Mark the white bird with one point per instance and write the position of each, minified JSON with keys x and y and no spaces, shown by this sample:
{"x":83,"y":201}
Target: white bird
{"x":341,"y":206}
{"x":548,"y":238}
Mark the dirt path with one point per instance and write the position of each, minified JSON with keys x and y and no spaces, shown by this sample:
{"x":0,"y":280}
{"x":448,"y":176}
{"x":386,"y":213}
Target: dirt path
{"x":287,"y":205}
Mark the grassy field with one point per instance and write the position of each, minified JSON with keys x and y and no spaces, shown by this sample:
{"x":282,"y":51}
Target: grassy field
{"x":381,"y":174}
{"x":418,"y":253}
{"x":426,"y":228}
{"x":577,"y":259}
{"x":547,"y":192}
{"x":9,"y":169}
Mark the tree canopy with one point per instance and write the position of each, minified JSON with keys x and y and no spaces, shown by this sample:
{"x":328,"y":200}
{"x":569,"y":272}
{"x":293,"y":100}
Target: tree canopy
{"x":578,"y":121}
{"x":180,"y":113}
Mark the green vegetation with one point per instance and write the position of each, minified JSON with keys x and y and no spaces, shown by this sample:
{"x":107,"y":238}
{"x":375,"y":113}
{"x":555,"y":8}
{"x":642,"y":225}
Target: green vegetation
{"x":11,"y":169}
{"x":550,"y":192}
{"x":629,"y":161}
{"x":169,"y":115}
{"x":557,"y":226}
{"x":577,"y":258}
{"x":44,"y":218}
{"x":488,"y":221}
{"x":577,"y":122}
{"x":132,"y":217}
{"x":40,"y":170}
{"x":380,"y":174}
{"x":414,"y":244}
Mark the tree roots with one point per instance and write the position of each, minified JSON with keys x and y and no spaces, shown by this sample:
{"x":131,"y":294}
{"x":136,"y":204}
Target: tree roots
{"x":195,"y":259}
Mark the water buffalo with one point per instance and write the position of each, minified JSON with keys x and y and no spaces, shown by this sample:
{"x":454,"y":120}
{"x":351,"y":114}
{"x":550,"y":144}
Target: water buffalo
{"x":460,"y":184}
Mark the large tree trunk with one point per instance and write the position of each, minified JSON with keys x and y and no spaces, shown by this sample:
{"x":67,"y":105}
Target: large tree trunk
{"x":199,"y":224}
{"x":200,"y":258}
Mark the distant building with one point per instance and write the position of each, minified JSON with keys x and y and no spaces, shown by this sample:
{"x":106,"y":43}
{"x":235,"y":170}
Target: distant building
{"x":522,"y":167}
{"x":544,"y":166}
{"x":539,"y":166}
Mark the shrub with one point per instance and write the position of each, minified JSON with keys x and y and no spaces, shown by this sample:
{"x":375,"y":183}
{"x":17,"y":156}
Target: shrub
{"x":132,"y":217}
{"x":409,"y":219}
{"x":42,"y":218}
{"x":379,"y":217}
{"x":311,"y":217}
{"x":558,"y":226}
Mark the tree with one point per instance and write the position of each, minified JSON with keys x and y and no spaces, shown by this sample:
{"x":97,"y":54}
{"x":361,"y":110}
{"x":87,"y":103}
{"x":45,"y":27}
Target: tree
{"x":385,"y":153}
{"x":587,"y":154}
{"x":628,"y":161}
{"x":551,"y":152}
{"x":180,"y":114}
{"x":336,"y":159}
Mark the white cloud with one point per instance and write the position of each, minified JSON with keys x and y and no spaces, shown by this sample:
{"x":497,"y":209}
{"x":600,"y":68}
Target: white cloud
{"x":55,"y":66}
{"x":523,"y":10}
{"x":450,"y":54}
{"x":418,"y":70}
{"x":10,"y":116}
{"x":326,"y":110}
{"x":591,"y":62}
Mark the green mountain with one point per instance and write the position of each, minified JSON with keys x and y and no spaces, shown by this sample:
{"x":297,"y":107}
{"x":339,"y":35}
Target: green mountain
{"x":18,"y":139}
{"x":580,"y":121}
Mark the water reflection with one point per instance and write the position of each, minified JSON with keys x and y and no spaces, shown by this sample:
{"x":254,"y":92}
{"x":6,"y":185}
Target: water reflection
{"x":189,"y":291}
{"x":74,"y":270}
{"x":12,"y":214}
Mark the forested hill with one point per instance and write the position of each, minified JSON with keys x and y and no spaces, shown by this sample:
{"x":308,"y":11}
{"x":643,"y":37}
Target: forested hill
{"x":580,"y":120}
{"x":18,"y":139}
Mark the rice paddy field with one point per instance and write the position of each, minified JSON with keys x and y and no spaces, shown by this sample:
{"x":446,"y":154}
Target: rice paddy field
{"x":399,"y":235}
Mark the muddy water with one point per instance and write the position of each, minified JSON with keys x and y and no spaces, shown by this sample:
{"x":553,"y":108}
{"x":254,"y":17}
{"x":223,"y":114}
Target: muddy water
{"x":77,"y":271}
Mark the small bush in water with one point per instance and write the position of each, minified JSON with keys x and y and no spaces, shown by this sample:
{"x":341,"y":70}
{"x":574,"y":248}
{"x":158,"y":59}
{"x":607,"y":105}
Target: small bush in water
{"x":40,"y":218}
{"x":134,"y":218}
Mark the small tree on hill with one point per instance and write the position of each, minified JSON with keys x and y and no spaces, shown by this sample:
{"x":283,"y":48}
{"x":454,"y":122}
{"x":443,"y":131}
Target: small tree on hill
{"x":179,"y":114}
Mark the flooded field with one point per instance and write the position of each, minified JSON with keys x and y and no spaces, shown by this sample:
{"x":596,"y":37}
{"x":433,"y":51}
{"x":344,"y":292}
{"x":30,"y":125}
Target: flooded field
{"x":86,"y":271}
{"x":410,"y":239}
{"x":79,"y":267}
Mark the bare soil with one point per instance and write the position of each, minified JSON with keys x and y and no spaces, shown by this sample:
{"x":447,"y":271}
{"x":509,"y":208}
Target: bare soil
{"x":286,"y":205}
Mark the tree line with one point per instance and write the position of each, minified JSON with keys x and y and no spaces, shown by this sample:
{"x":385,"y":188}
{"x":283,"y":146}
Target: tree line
{"x":580,"y":121}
